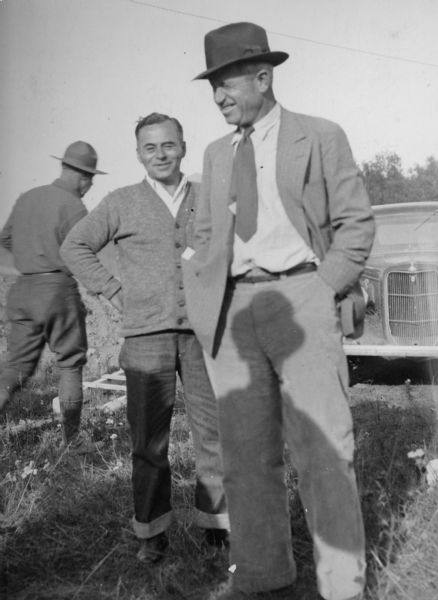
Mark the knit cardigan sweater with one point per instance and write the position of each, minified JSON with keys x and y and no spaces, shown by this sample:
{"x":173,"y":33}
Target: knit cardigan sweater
{"x":149,"y":243}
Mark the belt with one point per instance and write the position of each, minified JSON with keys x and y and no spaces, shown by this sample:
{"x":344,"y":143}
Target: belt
{"x":258,"y":275}
{"x":43,"y":273}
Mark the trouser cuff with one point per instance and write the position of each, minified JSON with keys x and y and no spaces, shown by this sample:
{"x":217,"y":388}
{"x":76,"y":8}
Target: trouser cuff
{"x":251,"y":584}
{"x":211,"y":521}
{"x":148,"y":530}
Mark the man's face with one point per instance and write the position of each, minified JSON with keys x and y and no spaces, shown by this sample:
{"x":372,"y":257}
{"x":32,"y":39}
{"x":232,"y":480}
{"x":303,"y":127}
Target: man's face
{"x":85,"y":183}
{"x":238,"y":96}
{"x":160,"y":149}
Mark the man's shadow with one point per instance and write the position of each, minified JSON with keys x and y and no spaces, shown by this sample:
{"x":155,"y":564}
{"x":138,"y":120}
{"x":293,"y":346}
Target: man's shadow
{"x":280,"y":346}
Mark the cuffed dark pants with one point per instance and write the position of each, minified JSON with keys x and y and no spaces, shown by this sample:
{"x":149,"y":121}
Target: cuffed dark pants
{"x":151,"y":363}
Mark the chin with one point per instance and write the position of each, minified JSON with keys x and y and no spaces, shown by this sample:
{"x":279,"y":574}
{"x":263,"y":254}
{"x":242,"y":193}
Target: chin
{"x":229,"y":119}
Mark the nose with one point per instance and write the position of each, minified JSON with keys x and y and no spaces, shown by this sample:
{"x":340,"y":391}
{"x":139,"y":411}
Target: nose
{"x":218,"y":95}
{"x":161,"y":152}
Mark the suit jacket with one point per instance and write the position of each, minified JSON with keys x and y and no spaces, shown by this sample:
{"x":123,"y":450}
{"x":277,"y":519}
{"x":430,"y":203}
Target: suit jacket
{"x":322,"y":193}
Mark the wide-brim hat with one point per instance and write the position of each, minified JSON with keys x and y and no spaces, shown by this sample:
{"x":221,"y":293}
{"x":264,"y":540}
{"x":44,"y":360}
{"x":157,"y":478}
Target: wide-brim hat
{"x":81,"y":156}
{"x":235,"y":43}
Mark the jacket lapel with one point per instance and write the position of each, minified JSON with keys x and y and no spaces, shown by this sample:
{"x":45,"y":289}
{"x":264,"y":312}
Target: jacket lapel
{"x":221,"y":211}
{"x":293,"y":154}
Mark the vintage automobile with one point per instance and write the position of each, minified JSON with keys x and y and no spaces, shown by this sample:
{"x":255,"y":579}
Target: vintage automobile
{"x":401,"y":283}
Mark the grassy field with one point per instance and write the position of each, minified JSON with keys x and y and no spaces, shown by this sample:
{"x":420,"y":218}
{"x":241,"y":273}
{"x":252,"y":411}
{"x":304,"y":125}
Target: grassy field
{"x":65,"y":522}
{"x":65,"y":530}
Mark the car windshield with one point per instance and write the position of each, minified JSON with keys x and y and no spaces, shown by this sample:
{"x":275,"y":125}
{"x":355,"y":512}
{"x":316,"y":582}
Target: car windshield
{"x":408,"y":232}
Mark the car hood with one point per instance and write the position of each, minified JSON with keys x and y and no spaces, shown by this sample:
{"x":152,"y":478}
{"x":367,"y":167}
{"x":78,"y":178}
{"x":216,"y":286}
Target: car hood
{"x":399,"y":258}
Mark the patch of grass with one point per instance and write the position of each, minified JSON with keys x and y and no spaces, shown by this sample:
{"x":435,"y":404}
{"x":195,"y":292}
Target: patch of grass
{"x":65,"y":527}
{"x":414,"y":573}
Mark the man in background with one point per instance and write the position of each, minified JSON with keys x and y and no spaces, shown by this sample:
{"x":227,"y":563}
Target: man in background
{"x":151,"y":223}
{"x":44,"y":304}
{"x":283,"y":229}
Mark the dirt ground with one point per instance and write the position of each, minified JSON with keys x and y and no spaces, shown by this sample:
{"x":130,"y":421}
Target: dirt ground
{"x":103,"y":325}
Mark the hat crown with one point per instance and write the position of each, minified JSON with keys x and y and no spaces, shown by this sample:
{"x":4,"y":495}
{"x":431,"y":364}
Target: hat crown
{"x":234,"y":42}
{"x":237,"y":42}
{"x":80,"y":154}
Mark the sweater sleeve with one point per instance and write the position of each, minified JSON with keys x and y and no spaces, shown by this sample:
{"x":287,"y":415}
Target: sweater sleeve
{"x":83,"y":242}
{"x":6,"y":235}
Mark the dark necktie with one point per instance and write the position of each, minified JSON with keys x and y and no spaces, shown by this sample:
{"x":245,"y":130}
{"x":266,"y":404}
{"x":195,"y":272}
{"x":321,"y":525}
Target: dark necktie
{"x":244,"y":187}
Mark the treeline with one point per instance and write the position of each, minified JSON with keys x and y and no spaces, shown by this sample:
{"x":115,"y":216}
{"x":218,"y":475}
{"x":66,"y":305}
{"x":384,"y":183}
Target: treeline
{"x":386,"y":183}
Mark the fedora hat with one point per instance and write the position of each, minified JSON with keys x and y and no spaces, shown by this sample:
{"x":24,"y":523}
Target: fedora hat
{"x":81,"y":156}
{"x":237,"y":42}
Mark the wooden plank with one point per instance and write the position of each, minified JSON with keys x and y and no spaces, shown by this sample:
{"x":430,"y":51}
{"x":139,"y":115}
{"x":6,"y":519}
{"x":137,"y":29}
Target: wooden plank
{"x":103,"y":385}
{"x":104,"y":382}
{"x":25,"y":425}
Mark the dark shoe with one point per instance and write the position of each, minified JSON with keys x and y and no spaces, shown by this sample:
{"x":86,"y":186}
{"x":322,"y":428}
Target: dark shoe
{"x":227,"y":592}
{"x":219,"y":538}
{"x":152,"y":550}
{"x":80,"y":445}
{"x":357,"y":597}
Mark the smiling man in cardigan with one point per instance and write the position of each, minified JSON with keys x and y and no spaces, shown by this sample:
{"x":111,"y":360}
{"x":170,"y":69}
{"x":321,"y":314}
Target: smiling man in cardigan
{"x":151,"y":223}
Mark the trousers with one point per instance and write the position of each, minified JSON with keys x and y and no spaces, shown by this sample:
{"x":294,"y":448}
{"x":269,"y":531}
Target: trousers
{"x":45,"y":309}
{"x":281,"y":380}
{"x":151,"y":363}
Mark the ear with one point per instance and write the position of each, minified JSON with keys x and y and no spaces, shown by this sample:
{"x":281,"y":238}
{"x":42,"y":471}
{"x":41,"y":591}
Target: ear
{"x":184,"y":149}
{"x":138,"y":156}
{"x":264,"y":79}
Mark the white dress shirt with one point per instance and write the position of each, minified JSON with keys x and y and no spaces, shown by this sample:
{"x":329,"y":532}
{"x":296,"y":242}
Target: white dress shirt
{"x":276,"y":245}
{"x":173,"y":202}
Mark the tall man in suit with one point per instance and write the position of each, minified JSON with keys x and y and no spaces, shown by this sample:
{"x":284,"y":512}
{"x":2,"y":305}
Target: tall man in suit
{"x":282,"y":232}
{"x":151,"y":222}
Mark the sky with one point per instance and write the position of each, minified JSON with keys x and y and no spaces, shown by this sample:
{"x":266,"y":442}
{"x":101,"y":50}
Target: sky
{"x":88,"y":69}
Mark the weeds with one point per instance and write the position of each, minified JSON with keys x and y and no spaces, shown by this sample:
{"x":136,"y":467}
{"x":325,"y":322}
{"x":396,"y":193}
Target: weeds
{"x":65,"y":526}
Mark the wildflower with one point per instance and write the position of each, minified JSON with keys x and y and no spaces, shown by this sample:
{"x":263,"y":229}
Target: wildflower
{"x":109,"y":422}
{"x":113,"y":436}
{"x":46,"y":466}
{"x":29,"y":469}
{"x":418,"y":453}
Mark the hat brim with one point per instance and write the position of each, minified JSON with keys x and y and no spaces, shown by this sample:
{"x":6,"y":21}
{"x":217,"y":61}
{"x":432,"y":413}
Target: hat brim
{"x":79,"y":166}
{"x":275,"y":58}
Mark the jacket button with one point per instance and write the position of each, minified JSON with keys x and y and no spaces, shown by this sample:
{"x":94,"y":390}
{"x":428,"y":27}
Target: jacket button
{"x":180,"y":321}
{"x":177,"y":245}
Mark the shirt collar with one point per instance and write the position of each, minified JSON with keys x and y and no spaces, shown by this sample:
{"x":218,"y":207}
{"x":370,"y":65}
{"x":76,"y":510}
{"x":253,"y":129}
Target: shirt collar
{"x":156,"y":185}
{"x":67,"y":186}
{"x":263,"y":126}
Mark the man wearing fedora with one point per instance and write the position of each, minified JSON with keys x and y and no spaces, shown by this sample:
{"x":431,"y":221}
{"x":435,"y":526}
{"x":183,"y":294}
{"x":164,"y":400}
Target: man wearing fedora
{"x":282,"y":231}
{"x":44,"y":304}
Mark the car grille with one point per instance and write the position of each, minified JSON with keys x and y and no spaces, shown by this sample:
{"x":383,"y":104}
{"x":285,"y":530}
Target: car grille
{"x":412,"y":307}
